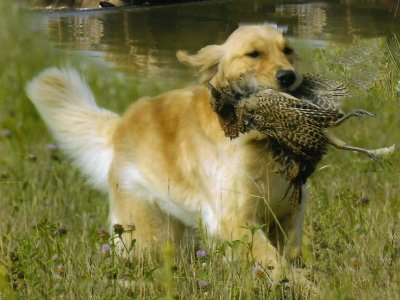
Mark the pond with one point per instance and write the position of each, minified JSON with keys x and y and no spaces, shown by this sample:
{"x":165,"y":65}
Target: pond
{"x":143,"y":41}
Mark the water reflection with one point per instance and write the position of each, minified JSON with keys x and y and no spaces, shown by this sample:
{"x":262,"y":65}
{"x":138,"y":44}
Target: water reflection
{"x":311,"y":19}
{"x":77,"y":33}
{"x":143,"y":41}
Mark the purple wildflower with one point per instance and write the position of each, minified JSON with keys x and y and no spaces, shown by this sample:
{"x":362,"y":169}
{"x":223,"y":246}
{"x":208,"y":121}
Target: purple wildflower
{"x":5,"y":133}
{"x":105,"y":249}
{"x":201,"y":253}
{"x":202,"y":283}
{"x":51,"y":147}
{"x":258,"y":272}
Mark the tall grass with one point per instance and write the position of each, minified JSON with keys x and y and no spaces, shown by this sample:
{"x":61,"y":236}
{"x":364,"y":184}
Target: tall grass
{"x":52,"y":238}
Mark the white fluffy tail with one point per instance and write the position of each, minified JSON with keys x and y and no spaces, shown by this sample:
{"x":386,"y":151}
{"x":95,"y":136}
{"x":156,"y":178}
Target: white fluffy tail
{"x":82,"y":129}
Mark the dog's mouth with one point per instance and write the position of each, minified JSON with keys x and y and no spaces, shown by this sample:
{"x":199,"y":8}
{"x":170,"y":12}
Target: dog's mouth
{"x":249,"y":83}
{"x":226,"y":98}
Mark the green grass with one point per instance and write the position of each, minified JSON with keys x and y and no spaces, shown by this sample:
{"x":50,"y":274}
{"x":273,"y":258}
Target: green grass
{"x":50,"y":237}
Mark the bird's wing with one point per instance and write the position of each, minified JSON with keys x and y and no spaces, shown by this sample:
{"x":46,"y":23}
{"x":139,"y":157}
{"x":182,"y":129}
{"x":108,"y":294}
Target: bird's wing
{"x":393,"y":46}
{"x":322,"y":91}
{"x":286,"y":108}
{"x":291,"y":128}
{"x":364,"y":63}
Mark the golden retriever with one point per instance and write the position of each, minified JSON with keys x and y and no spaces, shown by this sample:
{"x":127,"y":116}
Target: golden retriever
{"x":166,"y":161}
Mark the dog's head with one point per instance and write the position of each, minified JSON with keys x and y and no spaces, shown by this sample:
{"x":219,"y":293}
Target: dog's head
{"x":259,"y":49}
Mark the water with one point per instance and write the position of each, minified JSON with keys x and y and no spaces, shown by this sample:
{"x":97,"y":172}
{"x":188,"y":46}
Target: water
{"x":142,"y":42}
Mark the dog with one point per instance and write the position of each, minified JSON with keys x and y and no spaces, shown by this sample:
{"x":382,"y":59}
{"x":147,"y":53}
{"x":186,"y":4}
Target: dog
{"x":166,"y":162}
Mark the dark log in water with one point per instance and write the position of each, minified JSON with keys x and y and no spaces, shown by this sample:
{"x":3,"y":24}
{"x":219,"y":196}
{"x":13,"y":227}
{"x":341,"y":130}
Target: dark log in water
{"x":85,"y":4}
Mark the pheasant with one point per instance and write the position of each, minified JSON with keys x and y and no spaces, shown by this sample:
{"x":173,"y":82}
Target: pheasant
{"x":296,"y":125}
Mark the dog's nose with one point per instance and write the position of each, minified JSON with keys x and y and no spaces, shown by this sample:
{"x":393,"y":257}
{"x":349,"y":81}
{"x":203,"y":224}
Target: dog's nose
{"x":285,"y":78}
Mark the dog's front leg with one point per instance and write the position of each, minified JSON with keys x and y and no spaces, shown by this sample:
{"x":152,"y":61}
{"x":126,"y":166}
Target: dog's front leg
{"x":288,"y":234}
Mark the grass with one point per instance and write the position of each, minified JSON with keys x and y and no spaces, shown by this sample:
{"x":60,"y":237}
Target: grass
{"x":52,"y":238}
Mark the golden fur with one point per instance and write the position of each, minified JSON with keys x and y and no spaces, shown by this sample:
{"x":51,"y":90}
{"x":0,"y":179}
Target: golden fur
{"x":167,"y":160}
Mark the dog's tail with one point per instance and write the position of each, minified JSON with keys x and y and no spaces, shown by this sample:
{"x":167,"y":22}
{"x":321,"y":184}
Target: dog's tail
{"x":82,"y":129}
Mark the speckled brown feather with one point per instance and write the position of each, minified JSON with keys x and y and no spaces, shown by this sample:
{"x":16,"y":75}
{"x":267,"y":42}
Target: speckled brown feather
{"x":294,"y":124}
{"x":299,"y":125}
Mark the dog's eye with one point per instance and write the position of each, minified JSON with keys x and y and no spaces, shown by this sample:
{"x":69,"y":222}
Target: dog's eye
{"x":254,"y":54}
{"x":287,"y":50}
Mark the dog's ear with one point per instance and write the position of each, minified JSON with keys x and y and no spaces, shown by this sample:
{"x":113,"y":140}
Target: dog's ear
{"x":206,"y":60}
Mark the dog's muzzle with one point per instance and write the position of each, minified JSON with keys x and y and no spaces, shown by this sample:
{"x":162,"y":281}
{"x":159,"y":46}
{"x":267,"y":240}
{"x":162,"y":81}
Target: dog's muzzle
{"x":285,"y":78}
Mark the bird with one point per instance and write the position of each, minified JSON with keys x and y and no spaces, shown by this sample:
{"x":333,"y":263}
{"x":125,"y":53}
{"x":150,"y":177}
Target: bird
{"x":296,"y":124}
